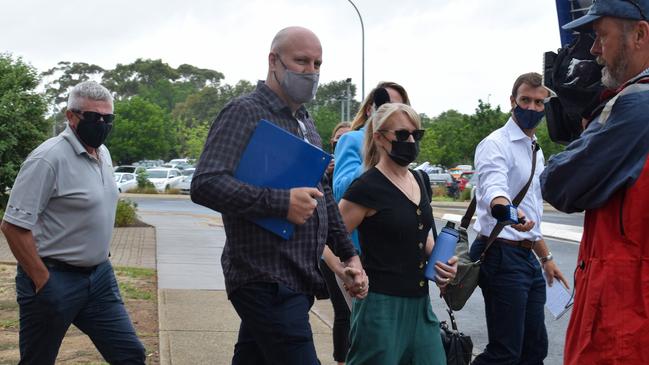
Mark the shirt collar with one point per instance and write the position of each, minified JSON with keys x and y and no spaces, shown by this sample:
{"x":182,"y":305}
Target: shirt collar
{"x":68,"y":135}
{"x":276,"y":103}
{"x":515,"y":132}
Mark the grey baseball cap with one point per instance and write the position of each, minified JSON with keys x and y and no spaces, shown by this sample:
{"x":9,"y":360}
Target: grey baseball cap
{"x":626,"y":9}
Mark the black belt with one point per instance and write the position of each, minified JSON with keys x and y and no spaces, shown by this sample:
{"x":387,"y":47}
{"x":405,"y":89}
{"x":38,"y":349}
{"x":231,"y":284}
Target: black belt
{"x":527,"y":244}
{"x":62,"y":266}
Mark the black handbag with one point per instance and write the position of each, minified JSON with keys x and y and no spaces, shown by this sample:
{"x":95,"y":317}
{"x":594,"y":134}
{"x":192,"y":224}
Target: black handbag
{"x":457,"y":345}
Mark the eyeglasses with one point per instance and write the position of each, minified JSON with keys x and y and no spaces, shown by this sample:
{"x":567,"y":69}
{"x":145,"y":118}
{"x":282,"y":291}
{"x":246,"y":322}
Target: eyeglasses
{"x":95,"y":117}
{"x":403,"y":134}
{"x":637,"y":6}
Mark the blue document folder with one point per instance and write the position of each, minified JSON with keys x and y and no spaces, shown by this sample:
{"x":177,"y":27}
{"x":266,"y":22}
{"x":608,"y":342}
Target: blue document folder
{"x":275,"y":158}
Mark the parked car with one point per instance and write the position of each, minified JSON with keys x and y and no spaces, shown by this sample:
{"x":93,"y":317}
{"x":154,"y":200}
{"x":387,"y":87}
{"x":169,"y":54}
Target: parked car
{"x":188,"y":171}
{"x":186,"y":182}
{"x":125,"y":181}
{"x":148,"y":164}
{"x":443,"y":179}
{"x":130,"y":169}
{"x":164,"y":178}
{"x":464,"y":179}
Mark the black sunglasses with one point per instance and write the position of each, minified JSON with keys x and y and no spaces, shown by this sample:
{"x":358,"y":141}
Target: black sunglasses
{"x":403,"y":134}
{"x":95,"y":117}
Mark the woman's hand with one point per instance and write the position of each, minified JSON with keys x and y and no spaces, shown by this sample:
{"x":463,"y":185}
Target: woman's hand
{"x":445,"y":272}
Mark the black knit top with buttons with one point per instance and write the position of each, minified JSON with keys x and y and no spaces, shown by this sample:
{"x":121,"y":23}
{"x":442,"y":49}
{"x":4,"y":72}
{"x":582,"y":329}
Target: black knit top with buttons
{"x":393,"y":241}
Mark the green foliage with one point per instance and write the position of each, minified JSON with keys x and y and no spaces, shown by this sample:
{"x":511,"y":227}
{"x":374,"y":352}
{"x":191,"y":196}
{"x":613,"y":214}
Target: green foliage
{"x":543,"y":138}
{"x":142,"y":179}
{"x":451,"y":138}
{"x":22,"y":122}
{"x":130,"y":291}
{"x":142,"y":130}
{"x":126,"y":213}
{"x":194,"y":140}
{"x":465,"y":195}
{"x":325,"y":109}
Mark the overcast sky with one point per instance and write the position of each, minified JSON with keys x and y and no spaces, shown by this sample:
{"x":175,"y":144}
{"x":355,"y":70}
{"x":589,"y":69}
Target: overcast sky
{"x":446,"y":53}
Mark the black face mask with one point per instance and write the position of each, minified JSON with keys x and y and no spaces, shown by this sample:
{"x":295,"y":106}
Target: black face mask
{"x":93,"y":133}
{"x":404,"y":153}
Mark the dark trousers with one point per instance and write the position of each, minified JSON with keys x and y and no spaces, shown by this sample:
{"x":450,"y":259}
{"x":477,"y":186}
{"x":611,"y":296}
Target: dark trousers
{"x":341,"y":314}
{"x":514,"y":292}
{"x":274,"y":327}
{"x":89,"y":300}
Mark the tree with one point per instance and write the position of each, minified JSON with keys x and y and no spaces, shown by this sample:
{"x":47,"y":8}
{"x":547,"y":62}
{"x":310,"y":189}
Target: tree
{"x":22,"y":122}
{"x":142,"y":130}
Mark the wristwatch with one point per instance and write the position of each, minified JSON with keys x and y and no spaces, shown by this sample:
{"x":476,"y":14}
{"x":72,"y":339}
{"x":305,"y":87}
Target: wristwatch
{"x":546,"y":258}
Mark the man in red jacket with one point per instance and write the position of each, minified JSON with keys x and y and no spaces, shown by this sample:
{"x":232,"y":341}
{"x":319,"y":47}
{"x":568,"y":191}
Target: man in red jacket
{"x":605,"y":172}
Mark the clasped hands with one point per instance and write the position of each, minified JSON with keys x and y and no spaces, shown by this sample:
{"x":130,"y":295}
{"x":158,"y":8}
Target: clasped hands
{"x":355,"y":281}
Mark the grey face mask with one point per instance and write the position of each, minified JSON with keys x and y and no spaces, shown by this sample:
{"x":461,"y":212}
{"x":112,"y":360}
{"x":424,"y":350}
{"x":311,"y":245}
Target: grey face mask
{"x":300,"y":87}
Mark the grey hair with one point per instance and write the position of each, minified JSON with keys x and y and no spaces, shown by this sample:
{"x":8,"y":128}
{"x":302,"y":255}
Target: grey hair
{"x":88,"y":90}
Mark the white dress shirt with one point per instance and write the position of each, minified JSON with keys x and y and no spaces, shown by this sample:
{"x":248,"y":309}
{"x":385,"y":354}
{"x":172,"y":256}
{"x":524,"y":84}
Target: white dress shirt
{"x":503,"y":163}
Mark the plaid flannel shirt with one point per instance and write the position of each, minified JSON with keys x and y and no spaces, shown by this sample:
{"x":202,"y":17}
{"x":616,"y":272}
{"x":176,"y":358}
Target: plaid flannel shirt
{"x":252,"y":254}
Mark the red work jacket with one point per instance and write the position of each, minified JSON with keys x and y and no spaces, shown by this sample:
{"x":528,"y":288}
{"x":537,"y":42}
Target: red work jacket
{"x":610,"y":319}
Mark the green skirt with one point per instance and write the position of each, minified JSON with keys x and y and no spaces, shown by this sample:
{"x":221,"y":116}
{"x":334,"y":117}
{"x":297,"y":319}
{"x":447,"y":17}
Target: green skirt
{"x":391,"y":330}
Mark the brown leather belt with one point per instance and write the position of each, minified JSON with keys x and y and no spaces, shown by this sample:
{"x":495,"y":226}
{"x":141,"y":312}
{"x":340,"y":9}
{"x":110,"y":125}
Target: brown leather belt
{"x":527,"y":244}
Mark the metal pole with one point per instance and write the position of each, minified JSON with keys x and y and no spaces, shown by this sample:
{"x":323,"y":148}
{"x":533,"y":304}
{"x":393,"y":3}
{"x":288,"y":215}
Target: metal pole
{"x":362,"y":48}
{"x":342,"y":109}
{"x":349,"y":98}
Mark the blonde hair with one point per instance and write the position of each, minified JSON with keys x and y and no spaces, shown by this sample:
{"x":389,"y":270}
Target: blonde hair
{"x":376,"y":122}
{"x":361,"y":118}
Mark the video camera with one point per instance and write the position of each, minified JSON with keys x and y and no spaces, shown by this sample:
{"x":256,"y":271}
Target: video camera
{"x":575,"y":77}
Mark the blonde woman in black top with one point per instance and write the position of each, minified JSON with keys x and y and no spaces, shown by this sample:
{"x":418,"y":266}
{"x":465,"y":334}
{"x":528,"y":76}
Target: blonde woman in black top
{"x":395,"y":323}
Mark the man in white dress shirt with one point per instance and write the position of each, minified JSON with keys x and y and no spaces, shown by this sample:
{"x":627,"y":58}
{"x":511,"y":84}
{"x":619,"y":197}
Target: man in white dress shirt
{"x":510,"y":276}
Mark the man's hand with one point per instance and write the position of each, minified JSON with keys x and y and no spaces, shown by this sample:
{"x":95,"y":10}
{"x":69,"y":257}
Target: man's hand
{"x":302,"y":204}
{"x":40,"y":279}
{"x":524,"y":224}
{"x":552,"y":271}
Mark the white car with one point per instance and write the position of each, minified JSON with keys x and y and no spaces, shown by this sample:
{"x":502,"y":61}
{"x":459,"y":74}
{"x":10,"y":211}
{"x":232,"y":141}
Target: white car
{"x":125,"y":181}
{"x":164,"y":178}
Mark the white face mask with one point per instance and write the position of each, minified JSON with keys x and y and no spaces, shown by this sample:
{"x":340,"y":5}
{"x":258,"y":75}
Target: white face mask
{"x":300,"y":87}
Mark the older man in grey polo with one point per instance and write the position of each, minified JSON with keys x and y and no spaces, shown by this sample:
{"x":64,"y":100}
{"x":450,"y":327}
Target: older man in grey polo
{"x":59,"y":222}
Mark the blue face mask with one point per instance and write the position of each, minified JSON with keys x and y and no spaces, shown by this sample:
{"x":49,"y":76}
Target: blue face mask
{"x":527,"y":118}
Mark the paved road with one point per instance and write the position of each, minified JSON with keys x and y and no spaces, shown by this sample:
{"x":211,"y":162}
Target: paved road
{"x":470,"y":320}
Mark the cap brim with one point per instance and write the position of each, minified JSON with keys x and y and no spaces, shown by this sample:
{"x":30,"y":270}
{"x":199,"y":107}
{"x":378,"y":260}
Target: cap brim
{"x":581,"y":23}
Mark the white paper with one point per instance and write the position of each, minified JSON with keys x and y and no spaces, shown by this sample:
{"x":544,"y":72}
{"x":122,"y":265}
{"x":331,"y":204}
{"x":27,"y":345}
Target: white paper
{"x":348,"y":298}
{"x":558,"y":299}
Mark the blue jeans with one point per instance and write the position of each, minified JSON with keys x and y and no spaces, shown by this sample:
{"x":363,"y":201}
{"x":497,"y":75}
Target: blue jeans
{"x":514,"y":293}
{"x":91,"y":301}
{"x":275,"y":326}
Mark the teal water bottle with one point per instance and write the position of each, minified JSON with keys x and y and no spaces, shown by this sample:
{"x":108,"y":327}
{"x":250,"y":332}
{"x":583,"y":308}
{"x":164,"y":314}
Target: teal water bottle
{"x":443,"y":250}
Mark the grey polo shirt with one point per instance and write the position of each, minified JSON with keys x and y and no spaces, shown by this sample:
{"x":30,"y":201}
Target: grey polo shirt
{"x":67,"y":198}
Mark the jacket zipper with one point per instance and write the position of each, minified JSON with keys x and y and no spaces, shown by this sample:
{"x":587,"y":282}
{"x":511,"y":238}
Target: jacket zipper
{"x":622,"y":212}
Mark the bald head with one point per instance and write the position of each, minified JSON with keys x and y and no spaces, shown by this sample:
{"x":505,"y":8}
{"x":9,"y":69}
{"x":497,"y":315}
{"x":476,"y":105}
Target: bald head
{"x":292,"y":35}
{"x":295,"y":50}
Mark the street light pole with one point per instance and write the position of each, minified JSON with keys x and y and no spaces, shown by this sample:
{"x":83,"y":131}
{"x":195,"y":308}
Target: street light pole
{"x":362,"y":48}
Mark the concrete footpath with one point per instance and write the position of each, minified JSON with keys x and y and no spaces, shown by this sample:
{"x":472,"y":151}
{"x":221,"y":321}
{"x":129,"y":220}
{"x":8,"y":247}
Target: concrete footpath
{"x":198,"y":325}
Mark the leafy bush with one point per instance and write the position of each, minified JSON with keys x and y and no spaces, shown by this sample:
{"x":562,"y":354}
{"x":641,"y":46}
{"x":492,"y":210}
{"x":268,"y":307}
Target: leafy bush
{"x":440,"y":191}
{"x":145,"y":190}
{"x":143,"y":180}
{"x":126,"y":213}
{"x":465,"y":195}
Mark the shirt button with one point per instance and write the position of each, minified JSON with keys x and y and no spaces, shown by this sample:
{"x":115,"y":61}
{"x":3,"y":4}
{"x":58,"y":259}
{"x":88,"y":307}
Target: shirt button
{"x":421,"y":226}
{"x":422,"y":283}
{"x":418,"y":211}
{"x":421,"y":245}
{"x":421,"y":265}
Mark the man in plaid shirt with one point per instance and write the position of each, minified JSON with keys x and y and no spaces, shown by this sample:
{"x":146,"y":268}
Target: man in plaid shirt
{"x":272,"y":282}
